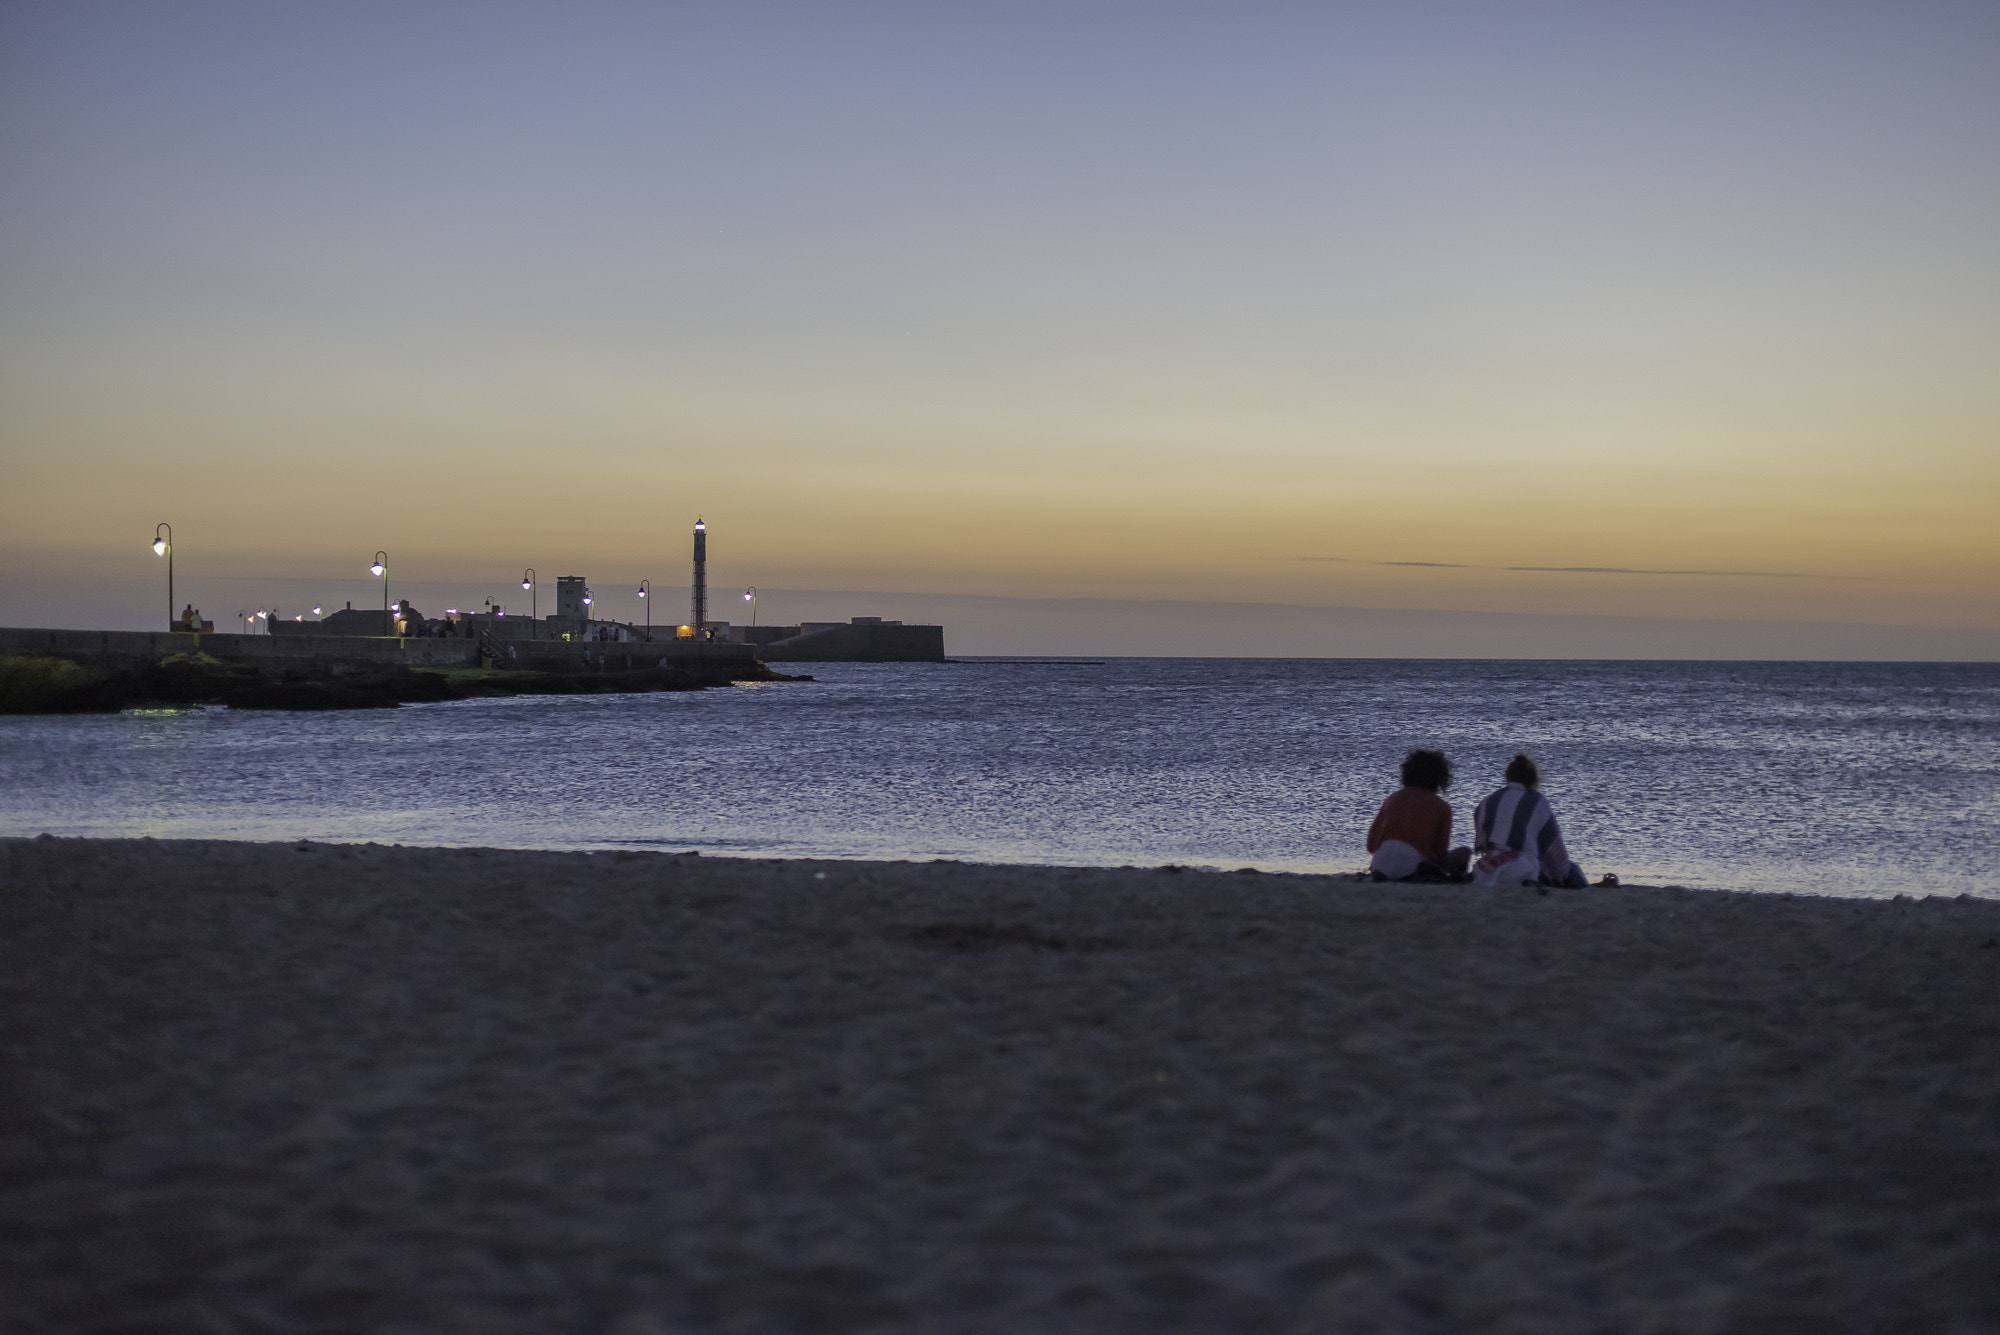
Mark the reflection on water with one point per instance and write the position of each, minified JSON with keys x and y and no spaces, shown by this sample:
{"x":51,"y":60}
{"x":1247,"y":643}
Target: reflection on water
{"x":1850,"y":778}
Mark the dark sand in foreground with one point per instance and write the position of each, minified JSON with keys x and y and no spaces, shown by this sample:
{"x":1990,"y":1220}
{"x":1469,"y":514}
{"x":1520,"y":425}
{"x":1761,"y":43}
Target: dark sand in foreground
{"x":288,"y":1088}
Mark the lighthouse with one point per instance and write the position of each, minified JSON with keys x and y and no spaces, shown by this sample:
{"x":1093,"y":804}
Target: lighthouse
{"x":700,"y":578}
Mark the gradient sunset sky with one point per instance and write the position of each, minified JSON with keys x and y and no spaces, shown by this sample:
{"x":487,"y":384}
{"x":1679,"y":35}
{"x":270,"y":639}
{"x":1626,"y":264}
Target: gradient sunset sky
{"x":1681,"y":317}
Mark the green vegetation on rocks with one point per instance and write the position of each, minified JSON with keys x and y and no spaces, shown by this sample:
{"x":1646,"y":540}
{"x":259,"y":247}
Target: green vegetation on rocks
{"x":57,"y":686}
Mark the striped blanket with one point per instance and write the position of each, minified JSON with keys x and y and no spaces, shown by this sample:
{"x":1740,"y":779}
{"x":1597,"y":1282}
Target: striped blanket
{"x":1519,"y":818}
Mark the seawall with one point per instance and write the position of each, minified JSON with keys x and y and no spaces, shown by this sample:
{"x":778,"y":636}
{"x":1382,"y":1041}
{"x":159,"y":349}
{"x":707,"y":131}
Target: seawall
{"x":131,"y":648}
{"x":861,"y":644}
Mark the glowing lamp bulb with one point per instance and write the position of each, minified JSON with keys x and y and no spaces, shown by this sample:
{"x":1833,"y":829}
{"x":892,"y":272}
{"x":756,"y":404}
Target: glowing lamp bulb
{"x":700,"y":527}
{"x":586,"y":600}
{"x":642,"y":593}
{"x":376,"y":570}
{"x":748,"y":596}
{"x":315,"y":609}
{"x":159,"y":546}
{"x":524,"y":583}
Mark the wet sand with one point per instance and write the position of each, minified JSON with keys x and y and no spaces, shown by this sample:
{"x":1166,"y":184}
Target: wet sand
{"x":336,"y":1088}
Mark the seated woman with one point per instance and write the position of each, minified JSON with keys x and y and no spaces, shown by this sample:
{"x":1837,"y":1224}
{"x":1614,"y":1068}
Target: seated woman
{"x":1412,"y":832}
{"x":1515,"y":833}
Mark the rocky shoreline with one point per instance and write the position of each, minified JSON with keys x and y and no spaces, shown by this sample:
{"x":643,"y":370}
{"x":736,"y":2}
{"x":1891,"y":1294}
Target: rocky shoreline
{"x":54,"y":685}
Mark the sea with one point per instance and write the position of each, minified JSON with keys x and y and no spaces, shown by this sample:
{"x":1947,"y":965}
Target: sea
{"x":1851,"y":779}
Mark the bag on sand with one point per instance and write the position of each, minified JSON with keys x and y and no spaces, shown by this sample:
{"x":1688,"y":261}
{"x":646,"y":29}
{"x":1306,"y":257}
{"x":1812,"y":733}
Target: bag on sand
{"x":1504,"y":866}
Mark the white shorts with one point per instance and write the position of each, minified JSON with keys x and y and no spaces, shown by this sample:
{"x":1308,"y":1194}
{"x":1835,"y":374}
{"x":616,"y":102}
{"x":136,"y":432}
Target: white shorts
{"x":1396,"y":860}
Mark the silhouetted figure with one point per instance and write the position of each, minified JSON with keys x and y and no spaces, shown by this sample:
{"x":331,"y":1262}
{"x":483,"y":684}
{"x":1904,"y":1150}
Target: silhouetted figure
{"x":187,"y":617}
{"x":1411,"y":836}
{"x":1515,"y":833}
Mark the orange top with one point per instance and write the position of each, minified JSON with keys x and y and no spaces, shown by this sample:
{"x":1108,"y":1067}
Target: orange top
{"x":1417,"y":817}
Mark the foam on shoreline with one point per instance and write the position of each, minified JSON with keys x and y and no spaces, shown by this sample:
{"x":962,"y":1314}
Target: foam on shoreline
{"x":365,"y":1087}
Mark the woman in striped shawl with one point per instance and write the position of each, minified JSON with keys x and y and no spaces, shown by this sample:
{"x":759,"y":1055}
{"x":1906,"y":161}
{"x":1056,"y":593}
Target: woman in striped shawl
{"x":1517,"y":824}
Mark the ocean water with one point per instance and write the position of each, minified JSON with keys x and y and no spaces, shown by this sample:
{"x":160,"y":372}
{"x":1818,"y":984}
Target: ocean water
{"x":1848,"y":779}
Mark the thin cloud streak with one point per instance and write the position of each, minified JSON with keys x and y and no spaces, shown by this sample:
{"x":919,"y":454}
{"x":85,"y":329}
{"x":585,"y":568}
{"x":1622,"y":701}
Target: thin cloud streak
{"x":1590,"y":570}
{"x":1622,"y":570}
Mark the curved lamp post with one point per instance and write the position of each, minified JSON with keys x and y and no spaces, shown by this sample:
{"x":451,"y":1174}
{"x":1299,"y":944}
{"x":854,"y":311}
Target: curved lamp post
{"x":380,"y":570}
{"x":163,"y":545}
{"x":750,"y":597}
{"x":533,"y":590}
{"x":646,"y":587}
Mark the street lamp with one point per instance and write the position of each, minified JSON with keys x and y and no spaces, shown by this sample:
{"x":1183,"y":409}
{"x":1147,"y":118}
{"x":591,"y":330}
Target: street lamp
{"x":645,"y":587}
{"x":163,"y":545}
{"x":528,"y":583}
{"x":379,"y":570}
{"x":750,"y":597}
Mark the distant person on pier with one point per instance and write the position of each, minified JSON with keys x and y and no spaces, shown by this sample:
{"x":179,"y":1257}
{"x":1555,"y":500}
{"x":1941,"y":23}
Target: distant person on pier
{"x":1515,"y":833}
{"x":1411,"y":837}
{"x":187,"y":616}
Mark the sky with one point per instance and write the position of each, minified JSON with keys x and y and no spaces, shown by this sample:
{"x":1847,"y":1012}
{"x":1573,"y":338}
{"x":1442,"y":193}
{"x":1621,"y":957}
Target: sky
{"x":1455,"y":329}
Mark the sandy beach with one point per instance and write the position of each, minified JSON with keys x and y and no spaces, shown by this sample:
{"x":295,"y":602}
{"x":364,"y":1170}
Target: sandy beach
{"x":276,"y":1087}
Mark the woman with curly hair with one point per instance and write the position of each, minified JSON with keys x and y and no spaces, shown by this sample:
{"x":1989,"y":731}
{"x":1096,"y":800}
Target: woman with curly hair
{"x":1411,"y":837}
